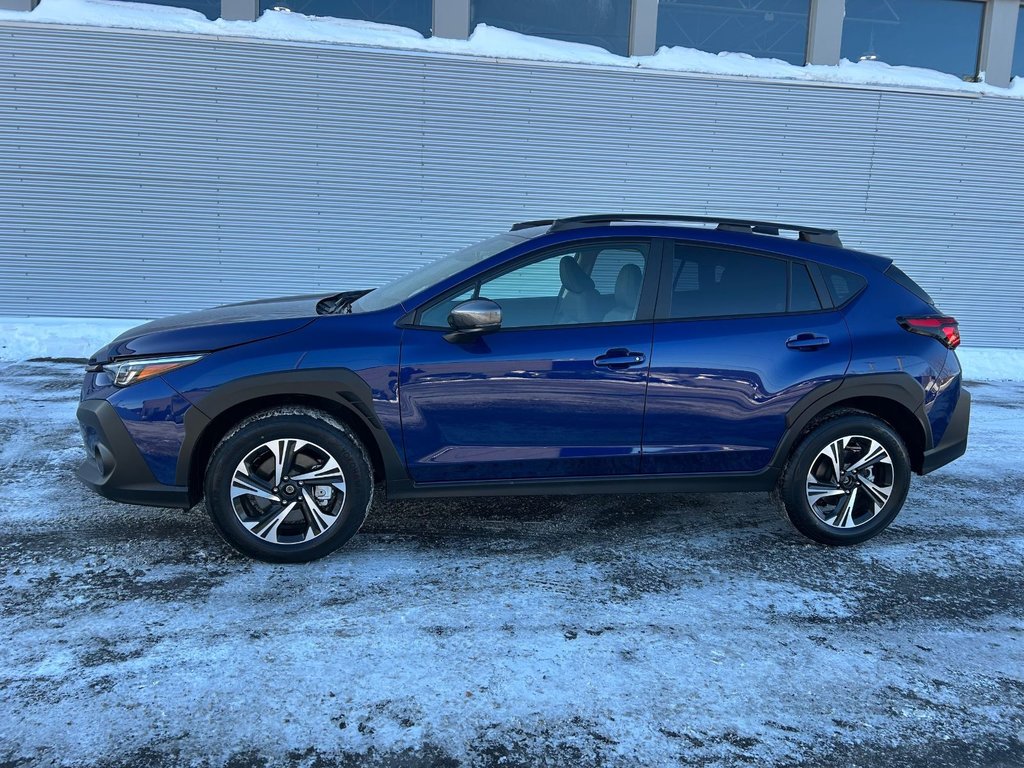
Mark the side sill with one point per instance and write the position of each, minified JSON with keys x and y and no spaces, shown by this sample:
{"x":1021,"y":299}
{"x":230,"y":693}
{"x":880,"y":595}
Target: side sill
{"x":572,"y":486}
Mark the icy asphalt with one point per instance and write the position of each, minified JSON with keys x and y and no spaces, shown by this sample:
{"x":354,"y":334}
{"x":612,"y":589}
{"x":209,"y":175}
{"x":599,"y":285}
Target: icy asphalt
{"x":660,"y":630}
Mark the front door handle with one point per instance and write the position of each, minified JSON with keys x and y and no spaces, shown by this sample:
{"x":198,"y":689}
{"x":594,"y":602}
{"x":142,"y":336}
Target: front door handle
{"x":807,"y":341}
{"x":619,"y":359}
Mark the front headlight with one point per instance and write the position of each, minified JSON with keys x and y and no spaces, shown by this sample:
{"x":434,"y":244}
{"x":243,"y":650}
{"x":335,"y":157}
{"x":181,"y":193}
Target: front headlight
{"x":127,"y":372}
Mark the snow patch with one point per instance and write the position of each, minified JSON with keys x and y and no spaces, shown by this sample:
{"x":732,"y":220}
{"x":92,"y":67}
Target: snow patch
{"x":490,"y":42}
{"x":991,"y":364}
{"x":23,"y":338}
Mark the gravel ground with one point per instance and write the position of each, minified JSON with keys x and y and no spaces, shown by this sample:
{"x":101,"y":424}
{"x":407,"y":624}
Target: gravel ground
{"x":628,"y":630}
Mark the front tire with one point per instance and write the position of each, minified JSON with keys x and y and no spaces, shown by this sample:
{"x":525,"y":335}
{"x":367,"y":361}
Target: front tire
{"x":846,"y":480}
{"x":289,"y":485}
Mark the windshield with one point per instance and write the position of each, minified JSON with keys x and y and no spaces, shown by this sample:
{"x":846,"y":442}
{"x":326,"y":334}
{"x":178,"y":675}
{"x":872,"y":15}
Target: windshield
{"x":399,"y":290}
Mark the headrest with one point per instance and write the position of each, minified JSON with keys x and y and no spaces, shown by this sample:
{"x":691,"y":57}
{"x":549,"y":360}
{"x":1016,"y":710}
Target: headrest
{"x":627,"y":285}
{"x":574,"y":279}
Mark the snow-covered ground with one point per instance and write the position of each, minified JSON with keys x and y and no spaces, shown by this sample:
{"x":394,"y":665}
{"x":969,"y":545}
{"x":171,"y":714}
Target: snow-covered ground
{"x":490,"y":42}
{"x":565,"y":631}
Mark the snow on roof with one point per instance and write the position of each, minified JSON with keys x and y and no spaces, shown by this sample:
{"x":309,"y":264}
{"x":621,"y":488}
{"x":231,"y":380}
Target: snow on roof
{"x":490,"y":42}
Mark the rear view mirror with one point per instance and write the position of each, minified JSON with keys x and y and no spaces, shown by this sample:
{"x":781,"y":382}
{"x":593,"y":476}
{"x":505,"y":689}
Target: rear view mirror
{"x":473,"y":318}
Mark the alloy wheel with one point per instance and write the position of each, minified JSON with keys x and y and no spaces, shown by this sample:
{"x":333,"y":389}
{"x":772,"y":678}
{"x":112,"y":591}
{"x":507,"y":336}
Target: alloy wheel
{"x":850,"y":481}
{"x":288,"y":491}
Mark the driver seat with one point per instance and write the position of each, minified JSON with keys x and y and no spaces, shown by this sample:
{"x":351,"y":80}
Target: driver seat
{"x":582,"y":302}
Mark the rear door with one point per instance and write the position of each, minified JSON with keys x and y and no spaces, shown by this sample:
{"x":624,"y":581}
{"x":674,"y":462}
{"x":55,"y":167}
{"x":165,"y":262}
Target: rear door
{"x":739,"y":337}
{"x":558,"y":391}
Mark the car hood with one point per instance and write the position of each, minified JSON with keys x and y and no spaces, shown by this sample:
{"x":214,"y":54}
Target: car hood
{"x":211,"y":329}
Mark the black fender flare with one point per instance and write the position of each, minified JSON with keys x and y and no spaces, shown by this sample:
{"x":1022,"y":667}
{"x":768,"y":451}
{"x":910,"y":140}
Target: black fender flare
{"x":901,"y":388}
{"x":341,"y":387}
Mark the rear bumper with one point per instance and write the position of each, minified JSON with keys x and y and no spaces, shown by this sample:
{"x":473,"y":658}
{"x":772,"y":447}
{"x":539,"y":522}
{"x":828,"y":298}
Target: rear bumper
{"x":954,"y":442}
{"x":114,"y":468}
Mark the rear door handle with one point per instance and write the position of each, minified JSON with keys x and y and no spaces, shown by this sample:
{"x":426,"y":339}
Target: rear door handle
{"x":807,"y":341}
{"x":619,"y":359}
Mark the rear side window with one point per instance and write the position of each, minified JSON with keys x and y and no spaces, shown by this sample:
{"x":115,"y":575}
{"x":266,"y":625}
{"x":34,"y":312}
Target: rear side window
{"x":802,"y":296}
{"x":842,"y":285}
{"x":717,"y":282}
{"x":900,"y":277}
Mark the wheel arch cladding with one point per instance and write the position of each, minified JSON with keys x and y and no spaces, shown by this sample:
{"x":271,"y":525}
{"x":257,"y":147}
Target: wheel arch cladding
{"x":341,"y":394}
{"x":896,"y":399}
{"x":897,"y":416}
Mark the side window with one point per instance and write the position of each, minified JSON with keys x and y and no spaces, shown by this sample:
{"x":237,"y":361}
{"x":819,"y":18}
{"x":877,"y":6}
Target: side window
{"x":608,"y":266}
{"x":841,"y":284}
{"x":437,"y":315}
{"x":802,"y":296}
{"x":540,"y":279}
{"x":717,"y":282}
{"x":684,"y":276}
{"x":588,"y":284}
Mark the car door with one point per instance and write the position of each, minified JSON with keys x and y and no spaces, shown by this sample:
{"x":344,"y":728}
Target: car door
{"x":558,"y":391}
{"x":740,"y":336}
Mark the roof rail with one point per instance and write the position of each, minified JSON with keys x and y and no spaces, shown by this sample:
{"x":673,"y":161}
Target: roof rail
{"x":530,"y":224}
{"x":815,"y":235}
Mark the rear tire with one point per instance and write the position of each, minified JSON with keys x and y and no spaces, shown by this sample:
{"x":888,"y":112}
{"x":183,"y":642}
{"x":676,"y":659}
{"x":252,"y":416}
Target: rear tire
{"x":289,"y":485}
{"x":846,"y":480}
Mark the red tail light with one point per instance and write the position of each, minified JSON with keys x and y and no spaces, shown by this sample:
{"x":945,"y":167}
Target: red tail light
{"x":945,"y":329}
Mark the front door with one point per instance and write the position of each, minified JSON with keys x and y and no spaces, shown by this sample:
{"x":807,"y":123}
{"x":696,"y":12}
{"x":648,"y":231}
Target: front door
{"x":558,"y":391}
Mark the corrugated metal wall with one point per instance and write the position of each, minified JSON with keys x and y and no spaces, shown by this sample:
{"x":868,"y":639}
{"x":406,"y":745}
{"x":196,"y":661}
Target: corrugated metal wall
{"x":143,"y":174}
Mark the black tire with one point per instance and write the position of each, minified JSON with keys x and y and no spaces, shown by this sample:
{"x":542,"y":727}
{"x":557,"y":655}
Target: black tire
{"x":344,"y":510}
{"x":793,"y":486}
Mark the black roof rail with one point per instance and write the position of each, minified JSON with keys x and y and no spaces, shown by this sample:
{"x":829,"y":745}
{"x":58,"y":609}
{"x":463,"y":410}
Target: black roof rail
{"x":815,"y":235}
{"x":530,"y":224}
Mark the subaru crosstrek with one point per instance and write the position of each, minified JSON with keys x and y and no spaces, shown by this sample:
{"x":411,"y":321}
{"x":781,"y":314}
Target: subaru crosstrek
{"x":578,"y":355}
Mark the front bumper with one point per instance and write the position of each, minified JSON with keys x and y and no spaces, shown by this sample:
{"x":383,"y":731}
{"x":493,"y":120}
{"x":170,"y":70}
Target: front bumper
{"x":114,"y":468}
{"x":954,"y":442}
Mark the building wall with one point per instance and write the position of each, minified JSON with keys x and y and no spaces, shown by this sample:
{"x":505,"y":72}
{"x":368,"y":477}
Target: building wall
{"x":146,"y":173}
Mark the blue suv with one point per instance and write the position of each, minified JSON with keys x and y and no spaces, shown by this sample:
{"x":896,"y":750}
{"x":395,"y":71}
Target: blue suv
{"x":589,"y":354}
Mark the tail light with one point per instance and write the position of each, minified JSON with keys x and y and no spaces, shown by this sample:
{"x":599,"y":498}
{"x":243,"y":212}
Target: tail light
{"x":945,"y":329}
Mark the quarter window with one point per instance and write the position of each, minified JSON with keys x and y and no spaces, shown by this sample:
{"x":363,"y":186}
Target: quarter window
{"x":841,"y":284}
{"x":716,"y":282}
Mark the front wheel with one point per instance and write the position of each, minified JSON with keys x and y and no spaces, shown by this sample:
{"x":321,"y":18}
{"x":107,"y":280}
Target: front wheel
{"x":289,"y":485}
{"x":846,"y":480}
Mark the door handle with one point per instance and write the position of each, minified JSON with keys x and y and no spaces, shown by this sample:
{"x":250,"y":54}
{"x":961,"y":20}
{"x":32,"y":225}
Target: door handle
{"x":807,"y":341}
{"x":619,"y":359}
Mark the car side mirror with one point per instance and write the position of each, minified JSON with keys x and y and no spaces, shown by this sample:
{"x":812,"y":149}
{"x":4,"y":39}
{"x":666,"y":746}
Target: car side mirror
{"x":473,"y":318}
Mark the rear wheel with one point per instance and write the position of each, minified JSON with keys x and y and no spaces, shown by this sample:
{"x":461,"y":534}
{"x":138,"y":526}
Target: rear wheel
{"x":289,"y":485}
{"x":847,"y":480}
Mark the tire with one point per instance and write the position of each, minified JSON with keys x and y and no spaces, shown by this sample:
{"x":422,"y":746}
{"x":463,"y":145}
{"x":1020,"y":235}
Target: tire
{"x":321,"y":463}
{"x":818,"y":503}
